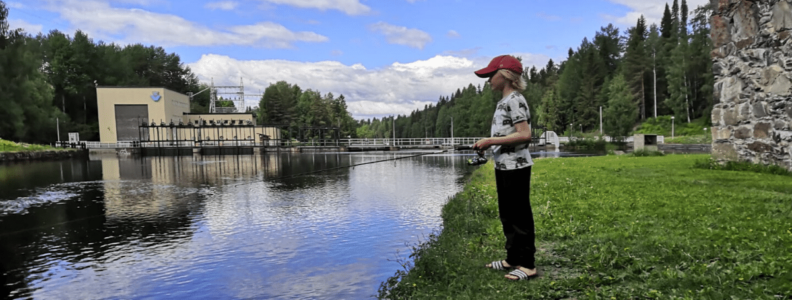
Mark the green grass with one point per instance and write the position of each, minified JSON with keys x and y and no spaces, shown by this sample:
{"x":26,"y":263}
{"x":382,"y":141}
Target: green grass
{"x":616,"y":227}
{"x":9,"y":146}
{"x":644,"y":152}
{"x":741,"y":166}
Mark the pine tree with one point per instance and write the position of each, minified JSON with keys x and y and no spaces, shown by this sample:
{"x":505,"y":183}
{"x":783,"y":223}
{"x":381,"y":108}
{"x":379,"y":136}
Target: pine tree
{"x":678,"y":99}
{"x":701,"y":63}
{"x":620,"y":114}
{"x":549,"y":108}
{"x":636,"y":64}
{"x":609,"y":46}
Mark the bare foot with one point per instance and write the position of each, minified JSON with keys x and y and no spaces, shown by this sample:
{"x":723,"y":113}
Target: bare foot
{"x":505,"y":265}
{"x":530,"y":272}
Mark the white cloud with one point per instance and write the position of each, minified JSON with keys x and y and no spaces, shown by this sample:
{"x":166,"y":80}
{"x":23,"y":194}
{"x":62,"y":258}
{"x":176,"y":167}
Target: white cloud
{"x":104,"y":22}
{"x":336,"y":52}
{"x":453,"y":34}
{"x":350,"y":7}
{"x":16,"y":5}
{"x":548,"y":17}
{"x":222,"y":5}
{"x":400,"y":35}
{"x":27,"y":27}
{"x":463,"y":53}
{"x":652,"y":10}
{"x":396,"y":89}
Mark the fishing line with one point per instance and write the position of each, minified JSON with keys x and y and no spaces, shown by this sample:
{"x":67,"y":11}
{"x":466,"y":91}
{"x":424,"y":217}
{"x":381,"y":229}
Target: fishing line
{"x":355,"y":165}
{"x":273,"y":178}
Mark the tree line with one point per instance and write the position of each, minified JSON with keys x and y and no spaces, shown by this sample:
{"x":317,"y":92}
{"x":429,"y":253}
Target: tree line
{"x":53,"y":76}
{"x":624,"y":73}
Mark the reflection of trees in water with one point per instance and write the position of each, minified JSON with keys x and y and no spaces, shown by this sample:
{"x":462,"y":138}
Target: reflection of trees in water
{"x":18,"y":179}
{"x":150,"y":201}
{"x":105,"y":217}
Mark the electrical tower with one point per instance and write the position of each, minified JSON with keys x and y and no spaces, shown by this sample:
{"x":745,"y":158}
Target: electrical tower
{"x":235,"y":94}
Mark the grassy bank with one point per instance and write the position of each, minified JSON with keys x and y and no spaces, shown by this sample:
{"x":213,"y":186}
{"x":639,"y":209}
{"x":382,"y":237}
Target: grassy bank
{"x":617,"y":227}
{"x":9,"y":146}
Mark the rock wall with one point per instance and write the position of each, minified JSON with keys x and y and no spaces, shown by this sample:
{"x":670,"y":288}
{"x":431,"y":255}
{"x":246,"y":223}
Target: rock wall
{"x":752,"y":62}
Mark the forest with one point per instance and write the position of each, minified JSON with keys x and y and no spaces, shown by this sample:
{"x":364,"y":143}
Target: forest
{"x":648,"y":71}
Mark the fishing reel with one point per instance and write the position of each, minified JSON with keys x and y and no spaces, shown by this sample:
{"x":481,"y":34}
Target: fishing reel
{"x":479,"y":160}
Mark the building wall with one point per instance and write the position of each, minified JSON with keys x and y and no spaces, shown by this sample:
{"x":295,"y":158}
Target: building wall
{"x":176,"y":104}
{"x":171,"y":106}
{"x":752,"y":63}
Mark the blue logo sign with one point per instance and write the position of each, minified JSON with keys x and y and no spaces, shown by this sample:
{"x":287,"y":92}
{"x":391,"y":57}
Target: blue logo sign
{"x":155,"y":96}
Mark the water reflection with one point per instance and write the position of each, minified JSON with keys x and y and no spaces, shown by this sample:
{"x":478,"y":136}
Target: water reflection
{"x":216,"y":226}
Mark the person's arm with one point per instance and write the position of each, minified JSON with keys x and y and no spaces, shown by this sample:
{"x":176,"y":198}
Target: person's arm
{"x":523,"y":135}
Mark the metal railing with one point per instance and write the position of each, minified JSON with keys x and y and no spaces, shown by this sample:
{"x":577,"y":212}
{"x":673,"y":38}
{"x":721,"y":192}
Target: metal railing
{"x":428,"y":142}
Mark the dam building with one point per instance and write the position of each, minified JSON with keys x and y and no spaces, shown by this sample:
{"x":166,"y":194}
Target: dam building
{"x":156,"y":116}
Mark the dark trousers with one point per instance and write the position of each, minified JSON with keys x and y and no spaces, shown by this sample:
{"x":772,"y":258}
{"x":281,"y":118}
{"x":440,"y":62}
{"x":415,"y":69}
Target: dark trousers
{"x":514,"y":204}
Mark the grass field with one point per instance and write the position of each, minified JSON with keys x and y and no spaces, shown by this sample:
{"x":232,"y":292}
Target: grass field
{"x":9,"y":146}
{"x":617,"y":227}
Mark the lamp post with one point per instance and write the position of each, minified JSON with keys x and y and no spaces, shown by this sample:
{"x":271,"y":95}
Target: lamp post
{"x":672,"y":127}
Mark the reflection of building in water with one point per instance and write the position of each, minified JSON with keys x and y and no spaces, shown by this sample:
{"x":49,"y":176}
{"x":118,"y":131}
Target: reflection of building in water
{"x":158,"y":187}
{"x":129,"y":195}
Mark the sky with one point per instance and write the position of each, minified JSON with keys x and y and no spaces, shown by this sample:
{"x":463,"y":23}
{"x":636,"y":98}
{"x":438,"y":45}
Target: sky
{"x":385,"y":56}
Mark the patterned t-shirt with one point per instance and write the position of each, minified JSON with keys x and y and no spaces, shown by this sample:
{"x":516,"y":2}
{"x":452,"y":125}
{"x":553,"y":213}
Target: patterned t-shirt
{"x":511,"y":109}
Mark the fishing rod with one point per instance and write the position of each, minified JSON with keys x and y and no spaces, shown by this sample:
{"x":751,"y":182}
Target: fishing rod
{"x":355,"y":165}
{"x":274,"y":178}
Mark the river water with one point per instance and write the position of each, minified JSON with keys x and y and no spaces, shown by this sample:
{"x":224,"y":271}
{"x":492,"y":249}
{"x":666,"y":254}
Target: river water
{"x":217,"y":227}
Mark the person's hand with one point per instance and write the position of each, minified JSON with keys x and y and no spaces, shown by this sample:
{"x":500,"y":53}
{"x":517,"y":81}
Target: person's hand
{"x":482,"y":144}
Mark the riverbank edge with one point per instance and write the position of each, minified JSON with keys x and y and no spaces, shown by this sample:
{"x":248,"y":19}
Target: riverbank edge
{"x":449,"y":265}
{"x":40,"y":155}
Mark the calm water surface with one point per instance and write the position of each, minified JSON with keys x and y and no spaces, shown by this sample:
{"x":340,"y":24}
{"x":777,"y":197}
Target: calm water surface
{"x":217,"y":227}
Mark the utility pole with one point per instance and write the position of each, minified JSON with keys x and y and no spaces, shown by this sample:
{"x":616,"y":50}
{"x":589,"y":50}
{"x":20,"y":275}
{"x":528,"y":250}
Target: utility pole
{"x":601,"y":119}
{"x":654,"y":70}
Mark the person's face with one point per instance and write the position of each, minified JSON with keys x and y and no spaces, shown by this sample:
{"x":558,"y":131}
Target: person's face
{"x":497,"y":82}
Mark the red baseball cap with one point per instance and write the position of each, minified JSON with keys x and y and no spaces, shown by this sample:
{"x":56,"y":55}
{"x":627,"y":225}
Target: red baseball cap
{"x":507,"y":62}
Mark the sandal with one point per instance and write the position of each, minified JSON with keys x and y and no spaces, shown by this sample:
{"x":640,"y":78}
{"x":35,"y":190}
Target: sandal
{"x":521,"y":275}
{"x":498,"y":265}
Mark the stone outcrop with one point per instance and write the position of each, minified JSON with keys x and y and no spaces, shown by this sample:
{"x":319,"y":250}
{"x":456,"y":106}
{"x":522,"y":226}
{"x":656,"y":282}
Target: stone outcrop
{"x":39,"y":155}
{"x":752,"y":62}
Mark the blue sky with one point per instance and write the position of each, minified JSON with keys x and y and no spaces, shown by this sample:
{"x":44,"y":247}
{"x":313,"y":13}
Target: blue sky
{"x":385,"y":56}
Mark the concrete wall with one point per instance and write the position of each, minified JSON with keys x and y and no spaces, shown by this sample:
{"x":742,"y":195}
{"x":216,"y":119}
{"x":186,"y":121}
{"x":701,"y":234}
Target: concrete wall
{"x":752,"y":63}
{"x":171,"y":106}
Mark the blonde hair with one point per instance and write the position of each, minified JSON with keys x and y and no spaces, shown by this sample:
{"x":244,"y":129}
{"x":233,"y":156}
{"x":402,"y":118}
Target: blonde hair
{"x":517,"y":81}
